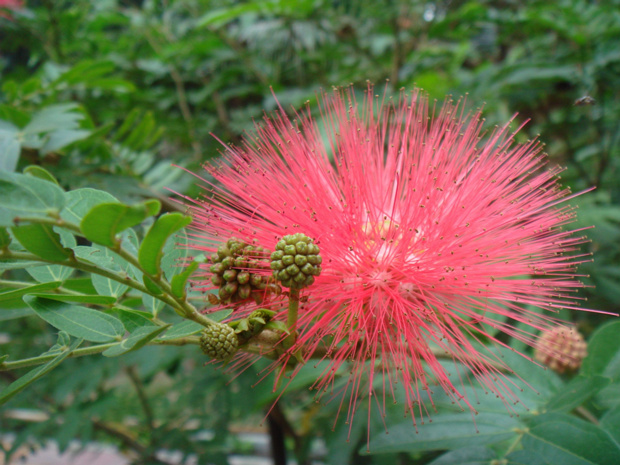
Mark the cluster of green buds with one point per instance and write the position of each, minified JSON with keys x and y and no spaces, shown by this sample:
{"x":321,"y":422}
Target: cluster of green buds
{"x":235,"y":268}
{"x":219,"y":341}
{"x":561,"y":349}
{"x":296,"y":261}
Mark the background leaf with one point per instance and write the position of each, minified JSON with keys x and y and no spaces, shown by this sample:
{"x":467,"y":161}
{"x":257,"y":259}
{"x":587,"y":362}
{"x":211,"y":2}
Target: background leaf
{"x":77,"y":321}
{"x":29,"y":378}
{"x":22,"y":195}
{"x":104,"y":221}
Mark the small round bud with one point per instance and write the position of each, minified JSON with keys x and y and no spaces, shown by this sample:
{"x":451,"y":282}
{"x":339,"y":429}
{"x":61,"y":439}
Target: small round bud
{"x":295,"y":261}
{"x":237,"y":271}
{"x":230,"y":275}
{"x":219,"y":341}
{"x":243,"y":277}
{"x":562,"y":349}
{"x":244,"y":291}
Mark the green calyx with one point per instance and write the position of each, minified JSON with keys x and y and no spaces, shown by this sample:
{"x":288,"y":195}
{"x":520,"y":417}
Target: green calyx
{"x":249,"y":327}
{"x":234,"y":267}
{"x":219,"y":341}
{"x":296,"y":261}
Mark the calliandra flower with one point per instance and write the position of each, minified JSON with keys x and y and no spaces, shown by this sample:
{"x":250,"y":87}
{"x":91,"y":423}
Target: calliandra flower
{"x":434,"y":236}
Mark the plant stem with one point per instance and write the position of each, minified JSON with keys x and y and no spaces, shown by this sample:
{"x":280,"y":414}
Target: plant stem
{"x":291,"y":318}
{"x":585,"y":413}
{"x":183,"y":307}
{"x":6,"y":366}
{"x":189,"y":311}
{"x":132,"y":373}
{"x":39,"y":360}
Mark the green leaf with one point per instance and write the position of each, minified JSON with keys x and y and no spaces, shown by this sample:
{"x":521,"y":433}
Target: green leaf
{"x":29,"y":290}
{"x":476,"y":455}
{"x":30,"y":377}
{"x":61,"y":138}
{"x":41,"y":173}
{"x":134,"y":319}
{"x":278,"y":326}
{"x":140,"y":337}
{"x":46,"y":273}
{"x":175,"y":254}
{"x":78,"y":321}
{"x":447,"y":431}
{"x":14,"y":313}
{"x":5,"y":238}
{"x":577,"y":392}
{"x":104,"y":221}
{"x":183,"y":329}
{"x":27,"y":196}
{"x":560,"y":438}
{"x":609,"y":396}
{"x":43,"y":241}
{"x":220,"y":314}
{"x":525,"y":457}
{"x":604,"y":352}
{"x":151,"y":250}
{"x":179,"y":281}
{"x":151,"y":286}
{"x":10,"y":146}
{"x":611,"y":425}
{"x":54,"y":117}
{"x":80,"y":201}
{"x":80,"y":298}
{"x":105,"y":258}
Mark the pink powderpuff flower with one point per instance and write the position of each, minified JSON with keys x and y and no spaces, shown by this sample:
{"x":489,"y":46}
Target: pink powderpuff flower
{"x":435,"y":237}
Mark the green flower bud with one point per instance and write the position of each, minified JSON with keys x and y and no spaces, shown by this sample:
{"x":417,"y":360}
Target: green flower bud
{"x":235,"y":271}
{"x":219,"y":341}
{"x":295,"y":261}
{"x":244,"y":291}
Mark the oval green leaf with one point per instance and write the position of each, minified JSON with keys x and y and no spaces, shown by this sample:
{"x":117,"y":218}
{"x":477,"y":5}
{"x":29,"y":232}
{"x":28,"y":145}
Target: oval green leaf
{"x":183,"y":329}
{"x":27,"y":196}
{"x":133,"y":320}
{"x":46,"y":273}
{"x":140,"y":337}
{"x":5,"y":238}
{"x":77,"y":321}
{"x":151,"y":250}
{"x":78,"y":298}
{"x":447,"y":431}
{"x":104,"y":221}
{"x":604,"y":352}
{"x":571,"y":441}
{"x":179,"y":281}
{"x":4,"y":296}
{"x":20,"y":384}
{"x":80,"y":202}
{"x":41,"y":173}
{"x":43,"y":241}
{"x":577,"y":392}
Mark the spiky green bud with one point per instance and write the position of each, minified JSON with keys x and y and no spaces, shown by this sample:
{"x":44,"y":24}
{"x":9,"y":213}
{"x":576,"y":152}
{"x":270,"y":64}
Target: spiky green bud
{"x":296,"y":261}
{"x":219,"y":341}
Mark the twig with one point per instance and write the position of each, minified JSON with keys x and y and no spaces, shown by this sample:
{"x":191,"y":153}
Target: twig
{"x":186,"y":112}
{"x":144,"y":402}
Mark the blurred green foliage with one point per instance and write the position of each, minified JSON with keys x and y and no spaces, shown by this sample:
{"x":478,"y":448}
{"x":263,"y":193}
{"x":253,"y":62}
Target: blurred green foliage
{"x":109,"y":93}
